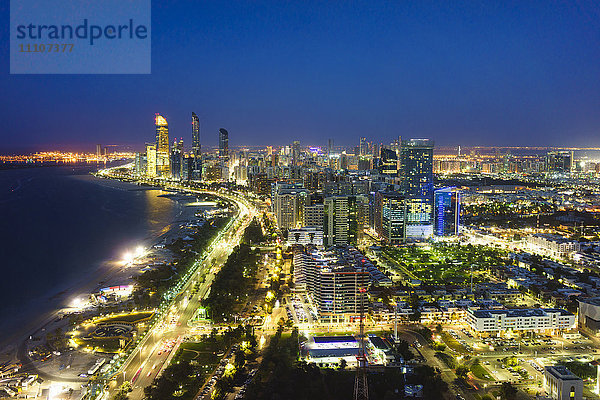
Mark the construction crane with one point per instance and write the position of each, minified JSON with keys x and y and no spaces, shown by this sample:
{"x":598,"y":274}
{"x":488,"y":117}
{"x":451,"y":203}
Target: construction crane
{"x":361,"y":386}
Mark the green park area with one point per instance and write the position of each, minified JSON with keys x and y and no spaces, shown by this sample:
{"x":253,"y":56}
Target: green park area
{"x":462,"y":366}
{"x":480,"y":372}
{"x":126,"y":318}
{"x":233,"y":284}
{"x":110,"y":334}
{"x":452,"y":343}
{"x":444,"y":263}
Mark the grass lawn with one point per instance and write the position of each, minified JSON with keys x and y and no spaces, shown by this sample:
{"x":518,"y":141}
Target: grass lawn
{"x":453,"y":343}
{"x":132,"y":318}
{"x":447,"y":359}
{"x":445,"y":263}
{"x":201,"y":352}
{"x":480,"y":372}
{"x":106,"y":345}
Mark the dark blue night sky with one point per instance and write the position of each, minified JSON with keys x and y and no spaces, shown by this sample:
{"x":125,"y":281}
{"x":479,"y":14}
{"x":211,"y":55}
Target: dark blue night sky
{"x":495,"y":73}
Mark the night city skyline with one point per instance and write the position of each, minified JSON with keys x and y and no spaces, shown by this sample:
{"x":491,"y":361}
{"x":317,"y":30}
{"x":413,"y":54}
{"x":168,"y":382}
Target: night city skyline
{"x":319,"y":200}
{"x":491,"y":75}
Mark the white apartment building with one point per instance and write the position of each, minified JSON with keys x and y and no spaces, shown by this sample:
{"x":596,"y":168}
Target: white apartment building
{"x":555,"y":246}
{"x":287,"y":200}
{"x":529,"y":320}
{"x":286,"y":210}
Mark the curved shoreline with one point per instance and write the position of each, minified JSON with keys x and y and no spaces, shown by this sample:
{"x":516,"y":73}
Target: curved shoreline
{"x":43,"y":311}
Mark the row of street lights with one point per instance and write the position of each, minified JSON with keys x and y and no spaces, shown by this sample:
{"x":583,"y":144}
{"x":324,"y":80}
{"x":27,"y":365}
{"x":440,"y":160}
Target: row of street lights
{"x":172,"y":294}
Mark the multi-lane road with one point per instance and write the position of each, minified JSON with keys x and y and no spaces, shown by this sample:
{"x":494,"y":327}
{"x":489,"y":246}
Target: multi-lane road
{"x":152,"y":355}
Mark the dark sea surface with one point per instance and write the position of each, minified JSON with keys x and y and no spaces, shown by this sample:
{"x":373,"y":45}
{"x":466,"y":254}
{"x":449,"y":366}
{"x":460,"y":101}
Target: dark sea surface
{"x":57,"y":224}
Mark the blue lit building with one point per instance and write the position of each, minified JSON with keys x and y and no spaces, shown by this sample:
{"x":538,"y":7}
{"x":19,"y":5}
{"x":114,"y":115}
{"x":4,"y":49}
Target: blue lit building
{"x":447,"y":211}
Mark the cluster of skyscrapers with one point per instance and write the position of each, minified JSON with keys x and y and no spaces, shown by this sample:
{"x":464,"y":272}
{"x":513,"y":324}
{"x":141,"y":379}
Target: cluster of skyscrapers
{"x":383,"y":190}
{"x":161,"y":160}
{"x":330,"y":211}
{"x":395,"y":200}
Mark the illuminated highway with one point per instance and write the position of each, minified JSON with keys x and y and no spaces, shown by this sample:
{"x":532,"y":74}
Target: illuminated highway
{"x":152,"y":354}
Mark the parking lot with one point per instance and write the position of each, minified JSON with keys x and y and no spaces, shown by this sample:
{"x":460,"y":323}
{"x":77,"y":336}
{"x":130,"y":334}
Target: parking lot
{"x":521,"y":360}
{"x":300,"y":309}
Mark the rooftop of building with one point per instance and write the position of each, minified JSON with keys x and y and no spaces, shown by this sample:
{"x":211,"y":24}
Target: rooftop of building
{"x":595,"y":301}
{"x":561,"y":372}
{"x":334,"y":339}
{"x":520,"y":312}
{"x":553,"y":238}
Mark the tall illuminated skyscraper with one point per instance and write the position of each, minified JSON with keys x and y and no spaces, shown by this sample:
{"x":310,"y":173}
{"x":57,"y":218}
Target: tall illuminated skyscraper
{"x":329,"y":152}
{"x":151,"y":159}
{"x":223,"y":144}
{"x":447,"y":212}
{"x":362,"y":147}
{"x":388,"y":162}
{"x":390,"y":216}
{"x":416,"y":173}
{"x":177,"y":159}
{"x":344,"y":218}
{"x":296,"y":152}
{"x":196,"y":148}
{"x":560,"y":161}
{"x":195,"y":132}
{"x":163,"y":168}
{"x":416,"y":168}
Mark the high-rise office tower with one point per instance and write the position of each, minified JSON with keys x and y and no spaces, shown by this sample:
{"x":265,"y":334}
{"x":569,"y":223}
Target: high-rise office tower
{"x":98,"y":150}
{"x":163,"y":168}
{"x":296,"y":153}
{"x":329,"y":152}
{"x":388,"y":162}
{"x":416,"y":168}
{"x":141,"y":164}
{"x":195,"y":132}
{"x":344,"y":218}
{"x":151,"y":159}
{"x":447,"y":212}
{"x":390,"y":216}
{"x":287,"y":204}
{"x":177,"y":160}
{"x":362,"y":147}
{"x":223,"y":164}
{"x":223,"y":144}
{"x":375,"y":150}
{"x":196,"y":148}
{"x":559,"y":161}
{"x":312,"y":215}
{"x":416,"y":173}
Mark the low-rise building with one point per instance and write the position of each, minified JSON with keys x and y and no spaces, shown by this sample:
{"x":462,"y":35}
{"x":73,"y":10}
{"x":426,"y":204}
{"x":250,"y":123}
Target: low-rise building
{"x":589,"y":314}
{"x":556,"y":246}
{"x":562,"y":384}
{"x":541,"y":320}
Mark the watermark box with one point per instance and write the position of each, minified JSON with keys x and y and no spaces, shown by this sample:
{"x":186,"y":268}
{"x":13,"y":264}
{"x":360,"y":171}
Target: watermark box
{"x":80,"y":37}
